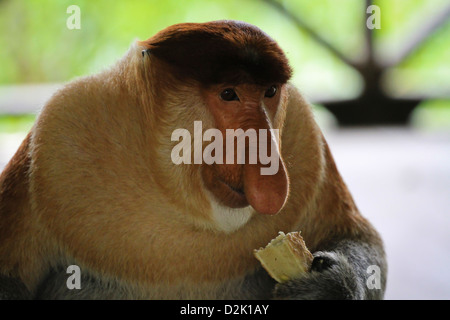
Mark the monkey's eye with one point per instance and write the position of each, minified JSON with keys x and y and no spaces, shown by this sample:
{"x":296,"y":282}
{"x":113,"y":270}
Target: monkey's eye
{"x":271,"y":92}
{"x":229,"y":95}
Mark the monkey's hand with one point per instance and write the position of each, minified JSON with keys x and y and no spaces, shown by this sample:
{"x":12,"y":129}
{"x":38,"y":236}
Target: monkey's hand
{"x":340,"y":274}
{"x":331,"y":277}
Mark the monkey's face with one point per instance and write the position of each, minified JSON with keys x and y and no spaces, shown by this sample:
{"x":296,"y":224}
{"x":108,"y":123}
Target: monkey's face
{"x":245,"y":115}
{"x":241,"y":72}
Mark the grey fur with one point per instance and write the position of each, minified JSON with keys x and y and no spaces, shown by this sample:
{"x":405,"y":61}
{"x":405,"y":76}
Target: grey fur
{"x":13,"y":289}
{"x":54,"y":288}
{"x":344,"y":279}
{"x":342,"y":274}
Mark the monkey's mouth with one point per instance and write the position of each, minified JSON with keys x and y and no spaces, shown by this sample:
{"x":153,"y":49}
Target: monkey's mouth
{"x":240,"y":191}
{"x":227,"y":186}
{"x":232,"y":196}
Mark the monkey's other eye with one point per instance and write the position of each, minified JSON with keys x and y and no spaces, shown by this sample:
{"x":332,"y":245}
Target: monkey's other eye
{"x":271,"y":92}
{"x":229,"y":95}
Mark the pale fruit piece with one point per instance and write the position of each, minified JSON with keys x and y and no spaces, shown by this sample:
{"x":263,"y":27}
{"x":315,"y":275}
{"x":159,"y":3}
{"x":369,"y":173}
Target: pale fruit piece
{"x":286,"y":257}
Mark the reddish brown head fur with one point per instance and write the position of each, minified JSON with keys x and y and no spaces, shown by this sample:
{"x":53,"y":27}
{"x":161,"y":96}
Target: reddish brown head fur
{"x":221,"y":52}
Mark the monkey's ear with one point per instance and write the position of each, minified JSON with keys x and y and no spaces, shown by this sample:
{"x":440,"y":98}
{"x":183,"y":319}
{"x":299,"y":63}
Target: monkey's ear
{"x":147,"y":51}
{"x":146,"y":47}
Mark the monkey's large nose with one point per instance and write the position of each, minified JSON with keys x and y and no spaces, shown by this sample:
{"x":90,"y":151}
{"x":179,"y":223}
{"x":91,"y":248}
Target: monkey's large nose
{"x":267,"y":194}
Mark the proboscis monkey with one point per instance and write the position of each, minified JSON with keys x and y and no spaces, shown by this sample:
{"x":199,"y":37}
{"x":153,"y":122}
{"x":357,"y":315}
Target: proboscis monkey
{"x":94,"y":184}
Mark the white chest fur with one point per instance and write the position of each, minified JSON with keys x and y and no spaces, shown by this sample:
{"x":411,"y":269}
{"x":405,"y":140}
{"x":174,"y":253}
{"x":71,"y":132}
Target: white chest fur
{"x":230,"y":219}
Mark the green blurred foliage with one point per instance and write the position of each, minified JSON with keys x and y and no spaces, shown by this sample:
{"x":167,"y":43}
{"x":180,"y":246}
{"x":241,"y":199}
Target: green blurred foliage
{"x":428,"y":68}
{"x":12,"y":124}
{"x":432,"y":114}
{"x":38,"y":47}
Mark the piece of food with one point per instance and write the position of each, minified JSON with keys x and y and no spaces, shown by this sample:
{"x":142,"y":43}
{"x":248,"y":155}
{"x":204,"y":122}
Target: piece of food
{"x":285,"y":257}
